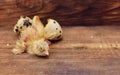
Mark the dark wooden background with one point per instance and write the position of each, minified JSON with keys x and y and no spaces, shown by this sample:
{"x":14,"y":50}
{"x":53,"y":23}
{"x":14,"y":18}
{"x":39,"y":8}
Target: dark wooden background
{"x":67,"y":12}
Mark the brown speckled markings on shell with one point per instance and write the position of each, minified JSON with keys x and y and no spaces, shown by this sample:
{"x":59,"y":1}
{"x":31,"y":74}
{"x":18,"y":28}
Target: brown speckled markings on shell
{"x":67,"y":12}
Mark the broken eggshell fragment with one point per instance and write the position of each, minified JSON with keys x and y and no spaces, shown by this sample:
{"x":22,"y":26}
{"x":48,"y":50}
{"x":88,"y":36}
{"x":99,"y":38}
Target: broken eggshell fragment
{"x":23,"y":23}
{"x":53,"y":30}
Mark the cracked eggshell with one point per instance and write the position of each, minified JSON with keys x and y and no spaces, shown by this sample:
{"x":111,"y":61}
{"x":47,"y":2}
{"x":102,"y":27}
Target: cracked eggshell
{"x":53,"y":30}
{"x":22,"y":23}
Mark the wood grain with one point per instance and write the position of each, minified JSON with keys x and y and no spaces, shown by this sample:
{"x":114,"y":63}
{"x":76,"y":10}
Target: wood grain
{"x":82,"y":51}
{"x":67,"y":12}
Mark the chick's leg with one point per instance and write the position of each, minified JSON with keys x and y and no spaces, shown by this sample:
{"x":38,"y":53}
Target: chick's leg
{"x":19,"y":48}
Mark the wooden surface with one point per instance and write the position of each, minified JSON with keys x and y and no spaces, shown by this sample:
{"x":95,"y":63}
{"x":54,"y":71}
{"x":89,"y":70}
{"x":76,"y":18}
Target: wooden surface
{"x":83,"y":51}
{"x":67,"y":12}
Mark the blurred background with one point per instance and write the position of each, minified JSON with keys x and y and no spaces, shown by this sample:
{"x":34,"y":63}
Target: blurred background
{"x":67,"y":12}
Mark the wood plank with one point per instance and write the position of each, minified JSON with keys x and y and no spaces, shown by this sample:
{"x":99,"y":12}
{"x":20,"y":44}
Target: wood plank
{"x":78,"y":53}
{"x":67,"y":12}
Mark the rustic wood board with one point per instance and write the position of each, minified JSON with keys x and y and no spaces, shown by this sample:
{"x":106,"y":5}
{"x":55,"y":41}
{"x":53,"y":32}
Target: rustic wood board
{"x":81,"y":52}
{"x":67,"y":12}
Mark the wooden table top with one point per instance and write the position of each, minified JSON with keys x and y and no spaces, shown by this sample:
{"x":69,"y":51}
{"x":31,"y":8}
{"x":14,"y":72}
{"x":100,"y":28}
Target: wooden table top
{"x":83,"y":51}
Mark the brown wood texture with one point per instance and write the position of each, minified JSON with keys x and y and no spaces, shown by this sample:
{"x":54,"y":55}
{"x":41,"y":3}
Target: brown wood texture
{"x":67,"y":12}
{"x":83,"y":51}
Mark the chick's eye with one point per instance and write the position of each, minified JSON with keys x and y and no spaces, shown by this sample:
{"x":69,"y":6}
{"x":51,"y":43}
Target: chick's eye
{"x":41,"y":48}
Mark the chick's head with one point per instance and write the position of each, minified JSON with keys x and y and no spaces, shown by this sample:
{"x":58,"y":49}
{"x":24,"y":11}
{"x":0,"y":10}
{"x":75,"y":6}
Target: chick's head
{"x":41,"y":47}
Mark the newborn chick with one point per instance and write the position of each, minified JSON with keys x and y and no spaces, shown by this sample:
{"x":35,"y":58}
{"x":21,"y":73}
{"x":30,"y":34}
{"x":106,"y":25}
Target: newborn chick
{"x":32,"y":40}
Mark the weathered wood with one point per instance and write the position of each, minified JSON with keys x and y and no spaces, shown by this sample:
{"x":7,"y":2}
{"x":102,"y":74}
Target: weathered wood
{"x":67,"y":12}
{"x":67,"y":57}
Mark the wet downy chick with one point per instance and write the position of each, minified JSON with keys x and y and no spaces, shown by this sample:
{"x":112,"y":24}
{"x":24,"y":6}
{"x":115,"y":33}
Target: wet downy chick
{"x":33,"y":37}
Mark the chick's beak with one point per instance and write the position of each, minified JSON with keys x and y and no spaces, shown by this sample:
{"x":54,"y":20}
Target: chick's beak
{"x":42,"y":53}
{"x":46,"y":52}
